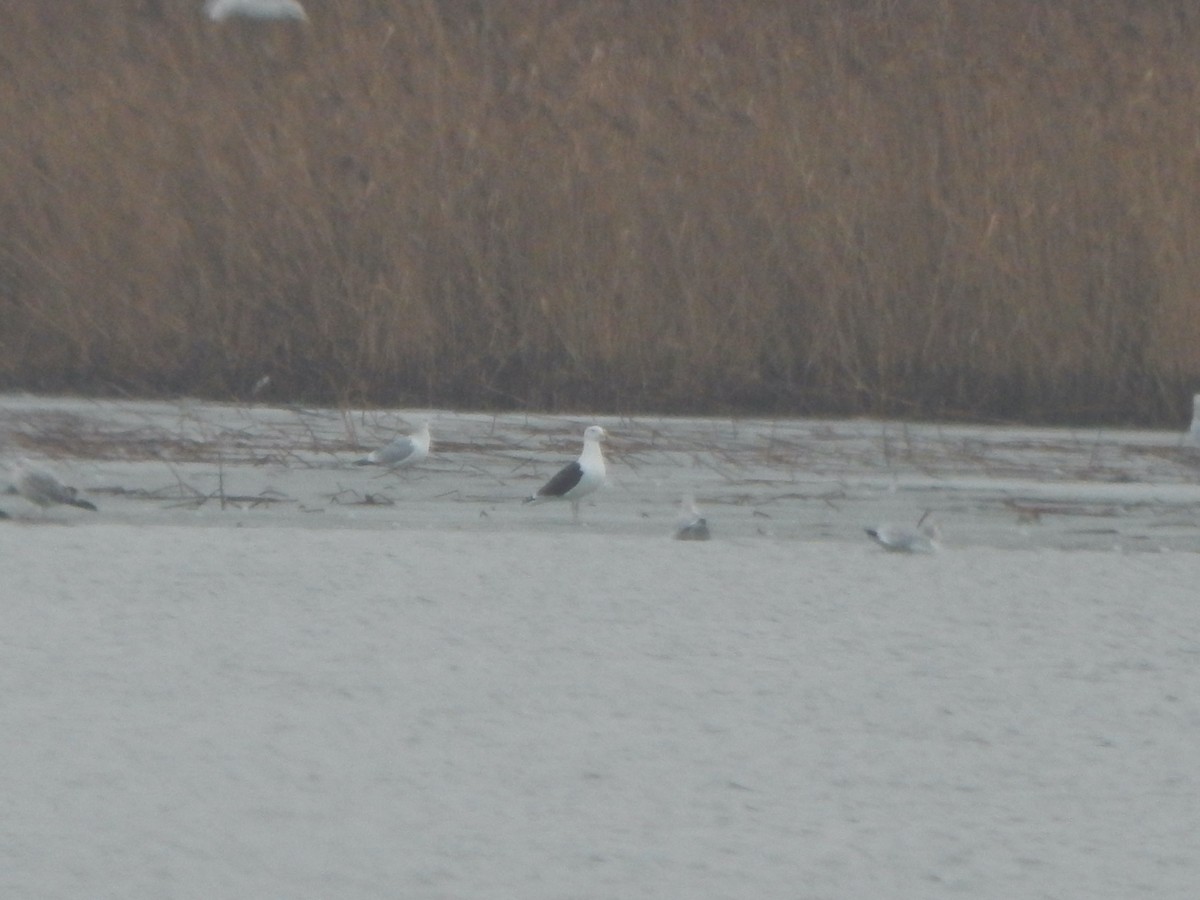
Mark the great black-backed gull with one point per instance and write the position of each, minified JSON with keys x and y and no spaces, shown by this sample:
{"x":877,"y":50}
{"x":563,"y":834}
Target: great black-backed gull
{"x":41,"y":488}
{"x":925,"y":537}
{"x":577,"y":479}
{"x":220,"y":10}
{"x":402,"y":452}
{"x":691,"y":526}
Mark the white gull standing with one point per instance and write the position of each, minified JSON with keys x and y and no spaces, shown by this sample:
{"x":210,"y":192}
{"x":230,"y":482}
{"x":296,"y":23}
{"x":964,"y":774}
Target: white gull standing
{"x":691,"y":525}
{"x":577,"y":479}
{"x":925,"y":537}
{"x":220,"y":10}
{"x":1193,"y":434}
{"x":404,"y":451}
{"x":42,"y":489}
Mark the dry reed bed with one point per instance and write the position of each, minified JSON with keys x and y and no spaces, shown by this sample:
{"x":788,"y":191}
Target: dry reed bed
{"x":925,"y":208}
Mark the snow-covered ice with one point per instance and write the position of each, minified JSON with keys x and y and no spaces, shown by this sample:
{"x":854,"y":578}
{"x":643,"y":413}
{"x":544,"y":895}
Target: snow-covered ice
{"x":347,"y":684}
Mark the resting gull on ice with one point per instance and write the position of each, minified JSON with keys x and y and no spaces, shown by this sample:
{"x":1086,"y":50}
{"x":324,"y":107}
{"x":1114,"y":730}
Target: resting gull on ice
{"x":220,"y":10}
{"x":691,"y":526}
{"x":41,"y":488}
{"x":577,"y":479}
{"x":402,"y":452}
{"x":1193,"y":434}
{"x":924,"y":538}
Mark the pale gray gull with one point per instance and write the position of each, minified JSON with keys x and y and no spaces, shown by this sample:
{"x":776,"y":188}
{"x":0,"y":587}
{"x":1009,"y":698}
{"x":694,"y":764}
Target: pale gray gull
{"x":577,"y":479}
{"x":220,"y":10}
{"x":42,"y":489}
{"x":691,"y":525}
{"x":925,"y":537}
{"x":404,"y":451}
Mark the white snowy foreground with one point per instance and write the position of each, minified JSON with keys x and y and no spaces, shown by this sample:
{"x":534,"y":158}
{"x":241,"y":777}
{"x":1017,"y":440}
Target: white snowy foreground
{"x":258,"y":671}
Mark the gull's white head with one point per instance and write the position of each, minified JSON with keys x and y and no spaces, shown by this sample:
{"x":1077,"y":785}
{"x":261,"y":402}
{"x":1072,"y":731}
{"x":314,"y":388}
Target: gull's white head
{"x":594,"y":433}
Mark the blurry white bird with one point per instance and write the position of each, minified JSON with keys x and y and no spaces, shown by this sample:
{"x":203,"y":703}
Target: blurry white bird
{"x":924,"y":538}
{"x":41,"y":488}
{"x":261,"y":385}
{"x":577,"y":479}
{"x":1193,"y":434}
{"x":220,"y":10}
{"x":691,"y":526}
{"x":402,"y":452}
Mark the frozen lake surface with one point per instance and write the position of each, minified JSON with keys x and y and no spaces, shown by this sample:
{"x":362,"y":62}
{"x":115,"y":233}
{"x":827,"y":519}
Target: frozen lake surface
{"x":259,"y":671}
